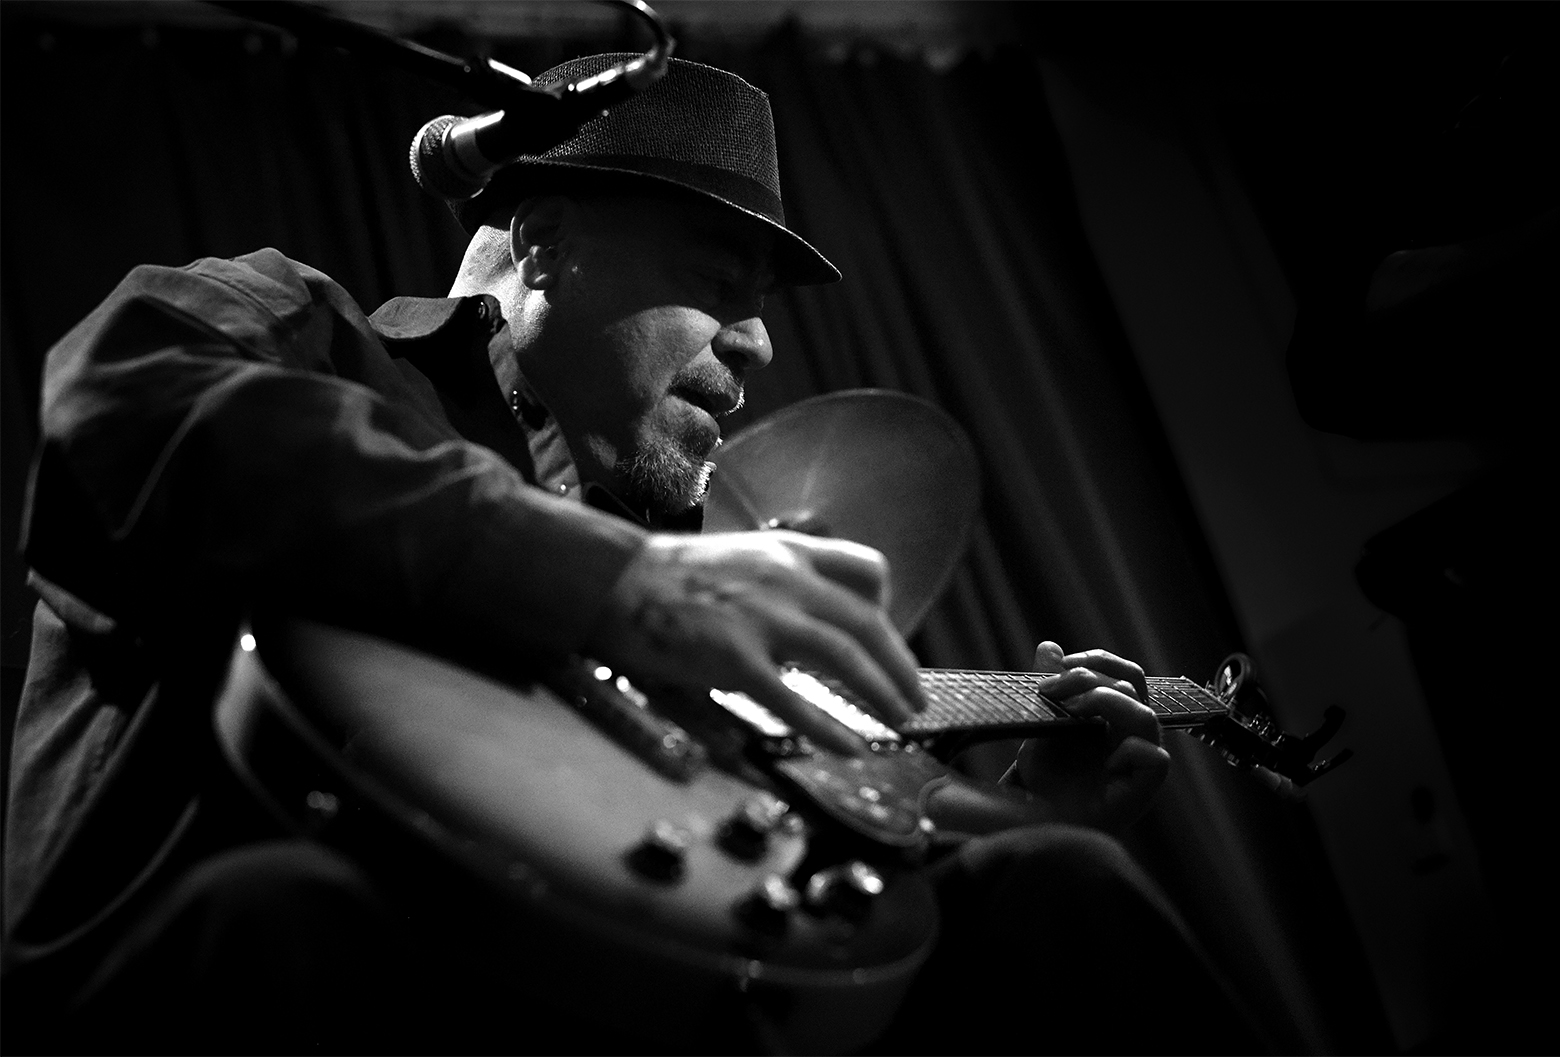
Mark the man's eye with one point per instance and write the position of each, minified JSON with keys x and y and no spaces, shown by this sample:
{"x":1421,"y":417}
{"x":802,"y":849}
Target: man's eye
{"x":727,"y":291}
{"x":744,"y":298}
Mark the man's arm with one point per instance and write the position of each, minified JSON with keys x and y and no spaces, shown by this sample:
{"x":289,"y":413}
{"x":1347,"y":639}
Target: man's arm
{"x":234,"y":429}
{"x":201,"y":439}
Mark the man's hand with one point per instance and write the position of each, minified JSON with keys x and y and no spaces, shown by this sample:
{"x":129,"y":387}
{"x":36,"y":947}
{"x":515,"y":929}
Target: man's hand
{"x":727,"y":609}
{"x":1110,"y":785}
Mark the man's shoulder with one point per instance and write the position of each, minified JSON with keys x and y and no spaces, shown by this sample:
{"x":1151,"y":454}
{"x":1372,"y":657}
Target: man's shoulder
{"x":287,"y":289}
{"x":258,"y":299}
{"x":266,"y":278}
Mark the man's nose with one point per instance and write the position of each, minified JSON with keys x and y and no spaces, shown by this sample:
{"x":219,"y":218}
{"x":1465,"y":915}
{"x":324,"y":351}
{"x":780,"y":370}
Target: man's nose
{"x":746,"y":341}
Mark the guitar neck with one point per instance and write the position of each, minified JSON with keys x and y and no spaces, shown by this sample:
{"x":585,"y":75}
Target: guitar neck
{"x":983,"y":705}
{"x":1002,"y":704}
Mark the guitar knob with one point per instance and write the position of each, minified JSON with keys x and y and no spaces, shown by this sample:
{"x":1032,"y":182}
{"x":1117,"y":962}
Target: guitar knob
{"x":662,"y":854}
{"x":767,"y":908}
{"x":745,"y":835}
{"x":848,"y":890}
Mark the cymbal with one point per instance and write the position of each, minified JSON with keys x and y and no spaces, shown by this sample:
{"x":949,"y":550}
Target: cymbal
{"x":875,"y":466}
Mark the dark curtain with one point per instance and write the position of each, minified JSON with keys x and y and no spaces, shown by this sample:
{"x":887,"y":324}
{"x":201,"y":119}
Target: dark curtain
{"x":946,"y":200}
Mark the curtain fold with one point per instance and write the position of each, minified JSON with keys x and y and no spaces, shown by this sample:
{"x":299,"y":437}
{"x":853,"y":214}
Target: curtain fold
{"x":946,"y":200}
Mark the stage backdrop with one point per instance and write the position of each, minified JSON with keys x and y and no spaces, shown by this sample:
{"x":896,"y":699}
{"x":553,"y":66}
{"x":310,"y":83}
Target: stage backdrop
{"x":945,"y":199}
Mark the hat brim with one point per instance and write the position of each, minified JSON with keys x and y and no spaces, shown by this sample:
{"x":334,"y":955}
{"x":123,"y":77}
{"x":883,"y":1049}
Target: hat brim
{"x":797,"y":262}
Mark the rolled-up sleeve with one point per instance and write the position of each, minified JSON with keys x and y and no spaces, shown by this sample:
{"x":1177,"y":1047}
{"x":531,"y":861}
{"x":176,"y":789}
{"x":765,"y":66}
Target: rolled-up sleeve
{"x":236,"y":428}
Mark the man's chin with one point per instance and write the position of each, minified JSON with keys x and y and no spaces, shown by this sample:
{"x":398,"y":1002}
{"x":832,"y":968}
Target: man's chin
{"x":668,"y":477}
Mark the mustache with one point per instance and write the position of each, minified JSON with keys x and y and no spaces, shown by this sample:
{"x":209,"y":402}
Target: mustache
{"x":713,"y":386}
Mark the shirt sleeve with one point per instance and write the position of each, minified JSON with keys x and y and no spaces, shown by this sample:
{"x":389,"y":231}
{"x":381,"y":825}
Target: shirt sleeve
{"x":233,"y":429}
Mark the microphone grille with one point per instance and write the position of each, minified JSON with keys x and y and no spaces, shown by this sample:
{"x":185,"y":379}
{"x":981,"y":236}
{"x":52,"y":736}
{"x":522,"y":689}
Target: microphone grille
{"x":430,"y":166}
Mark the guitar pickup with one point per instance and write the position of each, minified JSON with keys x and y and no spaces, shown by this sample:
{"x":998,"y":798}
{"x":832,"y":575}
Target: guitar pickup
{"x":616,"y":706}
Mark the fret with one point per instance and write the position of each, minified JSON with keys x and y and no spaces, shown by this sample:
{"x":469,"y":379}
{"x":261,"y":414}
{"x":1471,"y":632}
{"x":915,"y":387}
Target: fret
{"x":1179,"y":702}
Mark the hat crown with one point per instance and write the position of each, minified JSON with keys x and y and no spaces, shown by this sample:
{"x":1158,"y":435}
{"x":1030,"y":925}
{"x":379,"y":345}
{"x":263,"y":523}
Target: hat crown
{"x":695,"y":117}
{"x":697,"y":129}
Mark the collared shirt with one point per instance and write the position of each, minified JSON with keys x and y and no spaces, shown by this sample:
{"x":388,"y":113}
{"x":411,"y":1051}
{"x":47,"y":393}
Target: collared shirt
{"x":240,"y":429}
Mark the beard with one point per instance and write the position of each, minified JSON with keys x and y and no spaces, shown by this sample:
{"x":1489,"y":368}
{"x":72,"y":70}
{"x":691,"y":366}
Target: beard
{"x":669,"y":473}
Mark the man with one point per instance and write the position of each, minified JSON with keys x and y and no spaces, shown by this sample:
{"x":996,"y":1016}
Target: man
{"x":499,"y":472}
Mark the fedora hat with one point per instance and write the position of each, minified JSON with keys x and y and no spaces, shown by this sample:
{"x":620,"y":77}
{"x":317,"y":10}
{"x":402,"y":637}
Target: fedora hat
{"x":697,"y":129}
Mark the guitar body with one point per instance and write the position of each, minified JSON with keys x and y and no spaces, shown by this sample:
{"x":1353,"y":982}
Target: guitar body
{"x":725,"y":886}
{"x":610,"y":877}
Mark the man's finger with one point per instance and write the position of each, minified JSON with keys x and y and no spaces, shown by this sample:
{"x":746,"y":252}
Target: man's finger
{"x":1135,"y":755}
{"x":836,"y":653}
{"x":1136,"y":769}
{"x":854,"y":566}
{"x":870,"y":627}
{"x":1126,"y":716}
{"x":1074,"y":681}
{"x":1110,"y":664}
{"x":763,"y":685}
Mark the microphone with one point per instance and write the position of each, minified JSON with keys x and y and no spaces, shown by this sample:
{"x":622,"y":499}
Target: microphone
{"x":454,"y":157}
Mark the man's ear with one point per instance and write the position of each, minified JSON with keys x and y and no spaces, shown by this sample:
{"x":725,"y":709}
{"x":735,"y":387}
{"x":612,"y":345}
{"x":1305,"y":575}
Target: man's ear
{"x":538,"y":239}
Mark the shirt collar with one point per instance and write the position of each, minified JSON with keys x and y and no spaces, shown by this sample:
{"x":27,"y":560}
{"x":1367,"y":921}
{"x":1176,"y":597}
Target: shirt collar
{"x":406,"y":322}
{"x":403,"y":319}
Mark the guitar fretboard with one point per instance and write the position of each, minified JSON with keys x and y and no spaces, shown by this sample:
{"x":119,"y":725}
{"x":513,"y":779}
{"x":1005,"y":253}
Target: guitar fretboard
{"x":988,"y":704}
{"x":967,"y":700}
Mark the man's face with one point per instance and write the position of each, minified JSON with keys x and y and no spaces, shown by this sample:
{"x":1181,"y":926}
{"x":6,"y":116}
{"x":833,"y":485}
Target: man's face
{"x":652,"y":325}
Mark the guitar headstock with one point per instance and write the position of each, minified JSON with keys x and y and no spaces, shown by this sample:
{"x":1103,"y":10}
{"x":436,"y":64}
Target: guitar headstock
{"x":1250,"y":739}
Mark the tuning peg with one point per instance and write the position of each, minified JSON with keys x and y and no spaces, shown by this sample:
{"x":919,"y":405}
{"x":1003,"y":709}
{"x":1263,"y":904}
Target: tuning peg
{"x":1233,"y":674}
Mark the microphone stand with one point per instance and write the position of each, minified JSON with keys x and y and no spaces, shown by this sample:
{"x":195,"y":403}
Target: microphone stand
{"x":489,"y":83}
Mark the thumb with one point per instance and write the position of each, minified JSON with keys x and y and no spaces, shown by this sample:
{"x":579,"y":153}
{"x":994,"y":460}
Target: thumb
{"x":1048,"y":657}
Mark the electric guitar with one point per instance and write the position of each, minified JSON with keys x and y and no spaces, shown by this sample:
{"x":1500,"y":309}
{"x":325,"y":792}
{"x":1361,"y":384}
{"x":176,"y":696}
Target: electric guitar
{"x":687,"y":855}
